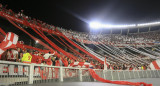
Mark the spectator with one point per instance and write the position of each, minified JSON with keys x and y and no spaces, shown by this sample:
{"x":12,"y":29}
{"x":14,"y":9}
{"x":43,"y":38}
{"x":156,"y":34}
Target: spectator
{"x":57,"y":63}
{"x":49,"y":61}
{"x":53,"y":60}
{"x":12,"y":55}
{"x":20,"y":54}
{"x":26,"y":57}
{"x":46,"y":56}
{"x":137,"y":39}
{"x":60,"y":61}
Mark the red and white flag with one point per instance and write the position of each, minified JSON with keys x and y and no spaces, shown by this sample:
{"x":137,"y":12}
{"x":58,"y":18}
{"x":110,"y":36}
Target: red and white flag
{"x":10,"y":41}
{"x":155,"y":65}
{"x":81,"y":64}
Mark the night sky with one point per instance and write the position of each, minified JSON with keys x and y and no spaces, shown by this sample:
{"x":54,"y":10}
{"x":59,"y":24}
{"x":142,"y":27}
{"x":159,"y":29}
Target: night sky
{"x":76,"y":14}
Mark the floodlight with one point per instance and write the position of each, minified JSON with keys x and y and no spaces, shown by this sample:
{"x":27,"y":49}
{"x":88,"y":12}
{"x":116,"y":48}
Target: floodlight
{"x":95,"y":25}
{"x":148,"y":24}
{"x":37,"y":41}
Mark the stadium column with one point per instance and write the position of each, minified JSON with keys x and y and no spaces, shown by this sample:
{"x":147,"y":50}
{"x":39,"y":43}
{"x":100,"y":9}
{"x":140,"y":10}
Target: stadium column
{"x":149,"y":29}
{"x":80,"y":75}
{"x":100,"y":31}
{"x":121,"y":31}
{"x":61,"y":74}
{"x":104,"y":76}
{"x":128,"y":31}
{"x":138,"y":30}
{"x":30,"y":78}
{"x":111,"y":31}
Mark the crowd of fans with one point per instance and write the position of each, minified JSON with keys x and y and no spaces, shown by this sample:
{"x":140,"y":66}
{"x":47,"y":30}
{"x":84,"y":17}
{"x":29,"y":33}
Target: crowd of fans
{"x":22,"y":16}
{"x":31,"y":56}
{"x":141,"y":38}
{"x":105,"y":38}
{"x":114,"y":38}
{"x":116,"y":65}
{"x":18,"y":55}
{"x":154,"y":36}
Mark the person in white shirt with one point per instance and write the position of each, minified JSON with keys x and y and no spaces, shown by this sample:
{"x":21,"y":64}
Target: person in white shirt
{"x":47,"y":55}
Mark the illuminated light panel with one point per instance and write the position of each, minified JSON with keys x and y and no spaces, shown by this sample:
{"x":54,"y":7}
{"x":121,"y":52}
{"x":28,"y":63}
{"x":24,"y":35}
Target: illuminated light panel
{"x":119,"y":26}
{"x":147,"y":24}
{"x":96,"y":25}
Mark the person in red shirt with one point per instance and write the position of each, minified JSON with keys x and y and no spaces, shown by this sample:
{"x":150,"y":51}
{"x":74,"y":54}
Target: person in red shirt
{"x":48,"y":61}
{"x":57,"y":62}
{"x":65,"y":62}
{"x":57,"y":69}
{"x":37,"y":58}
{"x":34,"y":58}
{"x":40,"y":59}
{"x":131,"y":68}
{"x":72,"y":61}
{"x":98,"y":66}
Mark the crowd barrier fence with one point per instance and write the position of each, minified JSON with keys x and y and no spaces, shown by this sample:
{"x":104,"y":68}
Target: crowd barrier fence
{"x":15,"y":73}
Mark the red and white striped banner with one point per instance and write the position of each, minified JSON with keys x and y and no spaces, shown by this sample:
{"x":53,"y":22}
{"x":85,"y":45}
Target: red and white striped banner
{"x":10,"y":41}
{"x":155,"y":65}
{"x":81,"y":64}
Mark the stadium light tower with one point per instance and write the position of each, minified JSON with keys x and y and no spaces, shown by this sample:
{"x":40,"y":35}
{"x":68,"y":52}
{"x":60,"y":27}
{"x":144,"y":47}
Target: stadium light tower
{"x":95,"y":25}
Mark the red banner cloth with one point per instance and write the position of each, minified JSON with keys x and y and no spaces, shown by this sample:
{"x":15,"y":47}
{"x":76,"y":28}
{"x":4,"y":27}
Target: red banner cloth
{"x":95,"y":76}
{"x":155,"y":65}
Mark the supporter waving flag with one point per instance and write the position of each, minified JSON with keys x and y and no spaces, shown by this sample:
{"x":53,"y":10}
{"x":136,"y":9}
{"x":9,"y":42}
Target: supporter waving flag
{"x":10,"y":41}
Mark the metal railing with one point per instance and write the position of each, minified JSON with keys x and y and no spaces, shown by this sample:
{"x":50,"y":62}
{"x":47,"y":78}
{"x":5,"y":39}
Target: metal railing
{"x":14,"y":73}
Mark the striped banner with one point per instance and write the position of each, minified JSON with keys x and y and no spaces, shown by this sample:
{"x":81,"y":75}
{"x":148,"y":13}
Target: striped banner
{"x":10,"y":41}
{"x":155,"y":65}
{"x":81,"y":64}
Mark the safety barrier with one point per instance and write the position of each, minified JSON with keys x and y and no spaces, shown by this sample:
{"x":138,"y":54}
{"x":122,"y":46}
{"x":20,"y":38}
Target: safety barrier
{"x":14,"y":73}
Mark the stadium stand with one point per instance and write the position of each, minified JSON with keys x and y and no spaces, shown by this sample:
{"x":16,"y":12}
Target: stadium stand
{"x":138,"y":51}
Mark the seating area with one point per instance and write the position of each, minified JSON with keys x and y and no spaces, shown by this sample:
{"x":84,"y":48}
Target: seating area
{"x":62,"y":55}
{"x":147,"y":38}
{"x":123,"y":52}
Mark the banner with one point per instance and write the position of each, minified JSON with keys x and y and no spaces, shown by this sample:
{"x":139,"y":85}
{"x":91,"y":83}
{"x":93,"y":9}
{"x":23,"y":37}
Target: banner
{"x":43,"y":72}
{"x":95,"y":76}
{"x":71,"y":47}
{"x":155,"y":65}
{"x":80,"y":48}
{"x":10,"y":41}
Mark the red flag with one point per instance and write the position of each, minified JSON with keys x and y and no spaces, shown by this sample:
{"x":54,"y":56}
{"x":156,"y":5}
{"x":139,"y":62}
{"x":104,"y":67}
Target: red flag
{"x":10,"y":41}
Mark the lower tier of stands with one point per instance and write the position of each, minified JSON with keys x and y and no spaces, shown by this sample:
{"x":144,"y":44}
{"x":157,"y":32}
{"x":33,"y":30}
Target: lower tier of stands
{"x":13,"y":73}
